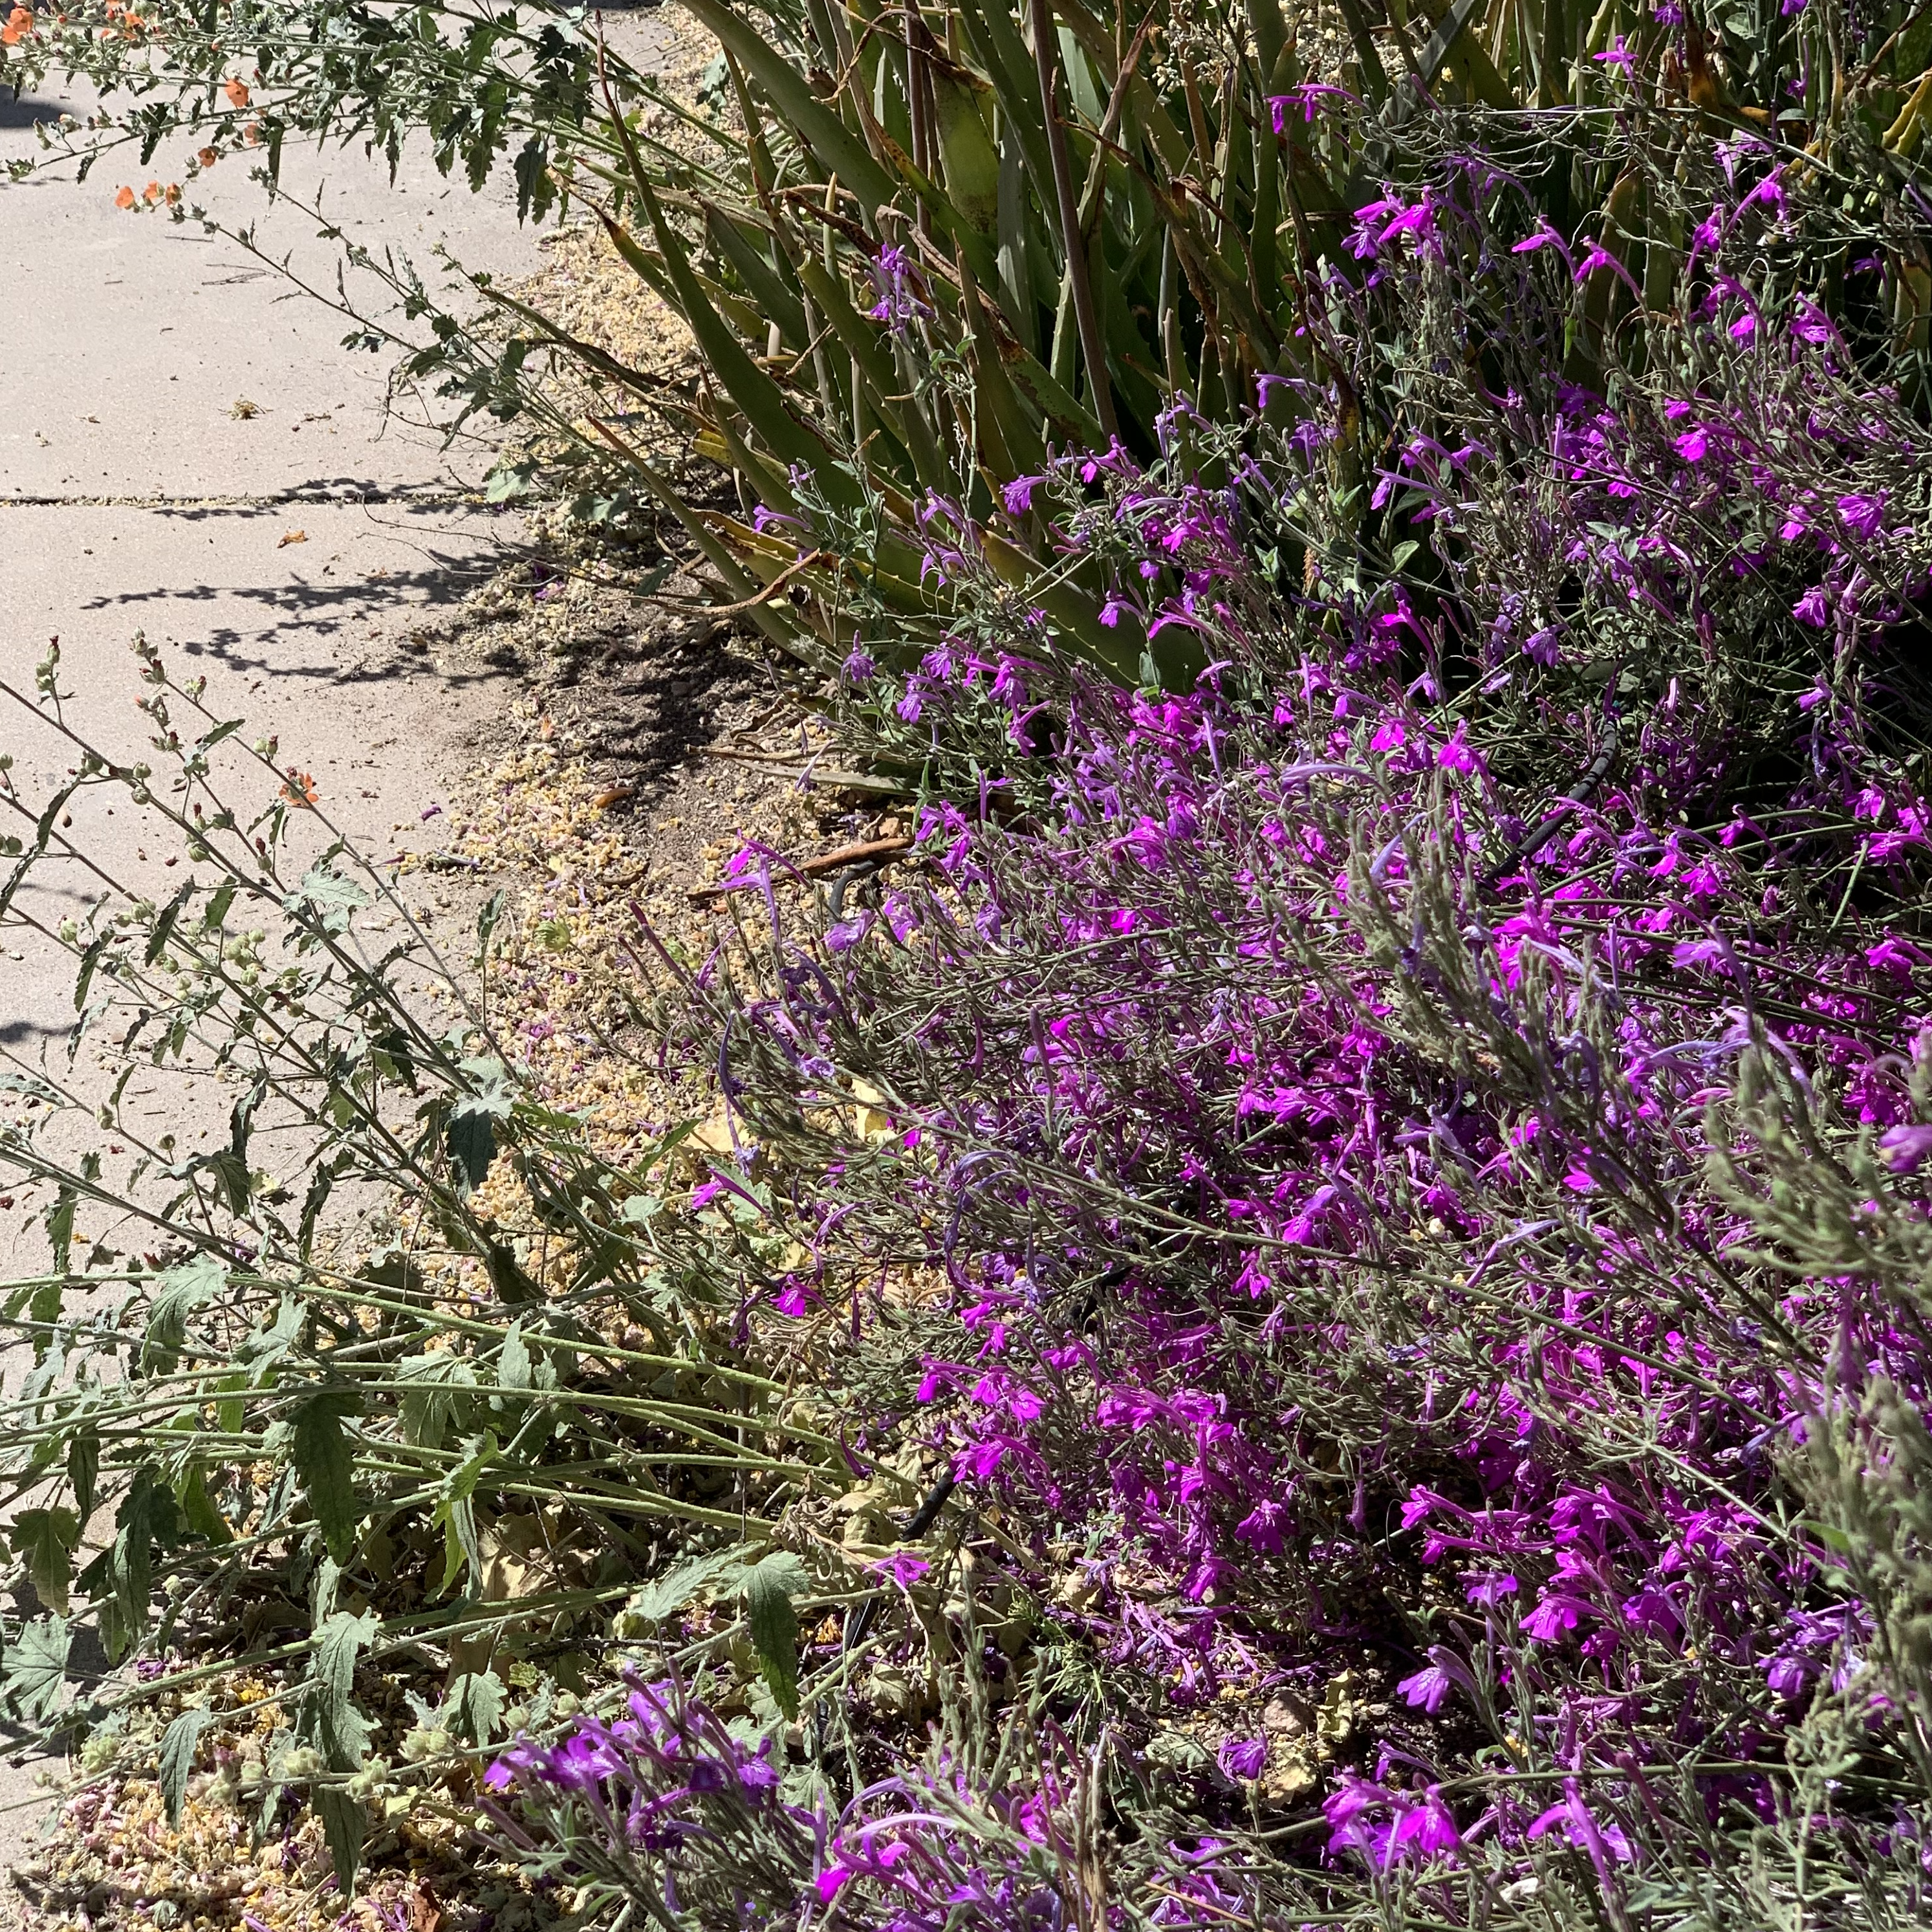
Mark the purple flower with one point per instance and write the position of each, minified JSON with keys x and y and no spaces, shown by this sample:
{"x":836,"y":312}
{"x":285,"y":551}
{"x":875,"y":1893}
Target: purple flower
{"x":522,"y":1759}
{"x":1556,"y":1613}
{"x":1454,"y":754}
{"x":847,"y":933}
{"x":1426,"y":1689}
{"x":902,"y":297}
{"x":1417,"y":1828}
{"x":1906,"y":1148}
{"x":1813,"y":609}
{"x":1018,"y":495}
{"x":1426,"y":1830}
{"x":1243,"y":1759}
{"x":583,"y":1760}
{"x":1572,"y":1818}
{"x":1864,"y":514}
{"x":1694,"y":444}
{"x":1812,"y":325}
{"x":1546,"y":237}
{"x":1261,"y":1527}
{"x":1310,"y":96}
{"x":1488,"y":1588}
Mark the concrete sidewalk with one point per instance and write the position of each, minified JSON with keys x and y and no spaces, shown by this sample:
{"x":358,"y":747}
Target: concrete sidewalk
{"x":162,"y":396}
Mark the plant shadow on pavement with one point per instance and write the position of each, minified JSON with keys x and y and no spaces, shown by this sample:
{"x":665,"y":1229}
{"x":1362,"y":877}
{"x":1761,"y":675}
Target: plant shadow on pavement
{"x":19,"y":110}
{"x":373,"y":607}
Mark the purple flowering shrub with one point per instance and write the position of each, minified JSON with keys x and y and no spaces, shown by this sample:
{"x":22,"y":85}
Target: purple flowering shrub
{"x":1399,"y":1217}
{"x":664,"y":1808}
{"x":1735,"y":513}
{"x":1707,"y":574}
{"x":1420,"y":1124}
{"x":1423,"y":1135}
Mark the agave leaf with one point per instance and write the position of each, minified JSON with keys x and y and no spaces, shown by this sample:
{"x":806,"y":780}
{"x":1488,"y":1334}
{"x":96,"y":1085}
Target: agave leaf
{"x":731,"y":451}
{"x":1270,"y":32}
{"x":1095,"y":39}
{"x":1215,"y":288}
{"x":1021,"y":451}
{"x":758,"y":398}
{"x":1551,"y":56}
{"x":757,"y":149}
{"x":836,"y":147}
{"x":1455,"y":43}
{"x":653,"y":389}
{"x":1008,"y":67}
{"x":1375,"y":76}
{"x":757,"y":273}
{"x":647,"y":267}
{"x":1018,"y":285}
{"x":891,"y":113}
{"x":769,"y":559}
{"x":1263,"y":274}
{"x":1069,"y":608}
{"x":1237,"y":178}
{"x":1902,"y":137}
{"x":1147,"y":122}
{"x":1664,"y":257}
{"x":1069,"y":416}
{"x":736,"y":581}
{"x":744,"y":315}
{"x":972,"y":163}
{"x":946,"y":219}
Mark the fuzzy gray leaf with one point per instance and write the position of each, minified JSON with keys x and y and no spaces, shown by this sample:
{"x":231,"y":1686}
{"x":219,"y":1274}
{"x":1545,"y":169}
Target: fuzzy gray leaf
{"x":768,"y":1587}
{"x":179,"y":1742}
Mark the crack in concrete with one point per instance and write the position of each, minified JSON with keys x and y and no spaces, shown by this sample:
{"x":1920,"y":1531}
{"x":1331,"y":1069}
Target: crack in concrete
{"x":427,"y":497}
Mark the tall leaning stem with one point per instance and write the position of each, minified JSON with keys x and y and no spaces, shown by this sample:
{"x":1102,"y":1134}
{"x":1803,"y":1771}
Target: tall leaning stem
{"x":1072,"y":240}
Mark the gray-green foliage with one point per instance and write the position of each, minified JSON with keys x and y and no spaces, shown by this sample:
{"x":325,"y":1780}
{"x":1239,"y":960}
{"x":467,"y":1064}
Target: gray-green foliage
{"x":402,"y":1385}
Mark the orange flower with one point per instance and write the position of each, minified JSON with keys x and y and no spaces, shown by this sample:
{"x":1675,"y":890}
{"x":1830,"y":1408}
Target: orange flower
{"x":151,"y":193}
{"x":300,"y":790}
{"x":237,"y":92}
{"x":19,"y":25}
{"x":125,"y":198}
{"x":208,"y":157}
{"x":171,"y":194}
